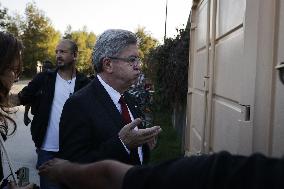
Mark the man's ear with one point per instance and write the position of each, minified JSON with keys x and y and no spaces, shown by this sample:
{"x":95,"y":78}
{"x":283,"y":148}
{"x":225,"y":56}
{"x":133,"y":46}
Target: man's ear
{"x":107,"y":65}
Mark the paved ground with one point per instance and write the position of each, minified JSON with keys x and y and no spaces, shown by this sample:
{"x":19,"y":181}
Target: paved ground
{"x":20,"y":146}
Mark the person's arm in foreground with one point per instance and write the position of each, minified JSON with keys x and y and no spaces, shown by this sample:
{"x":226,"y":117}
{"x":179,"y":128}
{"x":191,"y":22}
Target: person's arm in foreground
{"x":106,"y":174}
{"x":221,"y":170}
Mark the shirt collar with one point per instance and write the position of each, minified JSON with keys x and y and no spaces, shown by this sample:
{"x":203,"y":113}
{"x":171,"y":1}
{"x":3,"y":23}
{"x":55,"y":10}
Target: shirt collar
{"x":114,"y":95}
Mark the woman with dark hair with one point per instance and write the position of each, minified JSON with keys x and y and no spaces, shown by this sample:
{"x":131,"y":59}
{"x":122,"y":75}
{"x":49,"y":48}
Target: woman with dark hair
{"x":10,"y":68}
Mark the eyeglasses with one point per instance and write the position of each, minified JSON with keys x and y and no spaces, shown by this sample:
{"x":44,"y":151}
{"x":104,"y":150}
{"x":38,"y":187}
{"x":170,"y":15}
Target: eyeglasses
{"x":132,"y":60}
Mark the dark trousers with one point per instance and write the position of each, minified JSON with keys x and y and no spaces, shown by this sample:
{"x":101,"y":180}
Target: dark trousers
{"x":44,"y":156}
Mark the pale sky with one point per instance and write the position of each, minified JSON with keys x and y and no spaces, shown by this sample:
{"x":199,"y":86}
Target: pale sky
{"x":99,"y":15}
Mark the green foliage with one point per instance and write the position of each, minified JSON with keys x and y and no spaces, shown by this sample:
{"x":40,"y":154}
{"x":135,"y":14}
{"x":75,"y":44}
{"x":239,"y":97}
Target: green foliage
{"x":85,"y":41}
{"x":3,"y":18}
{"x":167,"y":67}
{"x":39,"y":38}
{"x":15,"y":25}
{"x":37,"y":34}
{"x":146,"y":42}
{"x":169,"y":143}
{"x":67,"y":33}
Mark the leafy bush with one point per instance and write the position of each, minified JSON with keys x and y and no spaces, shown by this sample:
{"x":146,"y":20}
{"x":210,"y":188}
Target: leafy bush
{"x":167,"y":67}
{"x":169,"y":143}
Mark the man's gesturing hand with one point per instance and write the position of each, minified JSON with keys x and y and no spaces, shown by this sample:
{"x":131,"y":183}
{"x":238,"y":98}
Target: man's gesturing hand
{"x":132,"y":138}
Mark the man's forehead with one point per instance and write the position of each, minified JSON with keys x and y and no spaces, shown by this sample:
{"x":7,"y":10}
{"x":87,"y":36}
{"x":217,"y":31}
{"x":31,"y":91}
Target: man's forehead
{"x":65,"y":45}
{"x":130,"y":49}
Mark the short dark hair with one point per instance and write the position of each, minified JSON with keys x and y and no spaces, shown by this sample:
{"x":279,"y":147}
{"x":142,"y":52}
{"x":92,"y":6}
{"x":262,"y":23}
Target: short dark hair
{"x":73,"y":45}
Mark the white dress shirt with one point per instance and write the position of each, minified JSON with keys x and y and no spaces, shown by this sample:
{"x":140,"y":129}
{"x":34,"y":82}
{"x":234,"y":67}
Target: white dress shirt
{"x":115,"y":96}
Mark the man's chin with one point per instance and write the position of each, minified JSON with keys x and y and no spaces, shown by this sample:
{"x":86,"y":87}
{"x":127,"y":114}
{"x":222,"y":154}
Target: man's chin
{"x":135,"y":80}
{"x":60,"y":65}
{"x":137,"y":75}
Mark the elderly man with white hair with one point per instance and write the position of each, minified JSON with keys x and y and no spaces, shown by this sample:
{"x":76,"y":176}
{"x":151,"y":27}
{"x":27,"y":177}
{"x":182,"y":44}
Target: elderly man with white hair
{"x":102,"y":121}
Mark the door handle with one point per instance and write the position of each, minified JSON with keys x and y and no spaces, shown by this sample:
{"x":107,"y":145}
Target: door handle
{"x":245,"y":110}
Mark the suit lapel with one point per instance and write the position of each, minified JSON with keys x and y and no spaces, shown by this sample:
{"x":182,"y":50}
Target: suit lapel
{"x":80,"y":81}
{"x":107,"y":102}
{"x":133,"y":108}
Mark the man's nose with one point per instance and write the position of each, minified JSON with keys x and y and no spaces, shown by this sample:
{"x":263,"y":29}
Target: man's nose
{"x":58,"y":55}
{"x":138,"y":64}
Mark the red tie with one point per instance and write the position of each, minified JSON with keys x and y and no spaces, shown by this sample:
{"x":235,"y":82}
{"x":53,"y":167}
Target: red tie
{"x":124,"y":111}
{"x":134,"y":157}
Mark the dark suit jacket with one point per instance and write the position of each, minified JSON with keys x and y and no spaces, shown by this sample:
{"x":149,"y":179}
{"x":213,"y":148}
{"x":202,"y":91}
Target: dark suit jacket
{"x":40,"y":91}
{"x":89,"y":127}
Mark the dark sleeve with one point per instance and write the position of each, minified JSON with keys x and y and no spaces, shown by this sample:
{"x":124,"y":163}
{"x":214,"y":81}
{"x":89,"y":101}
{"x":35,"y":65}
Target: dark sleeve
{"x":78,"y":141}
{"x":221,"y":170}
{"x":86,"y":81}
{"x":28,"y":94}
{"x":81,"y":82}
